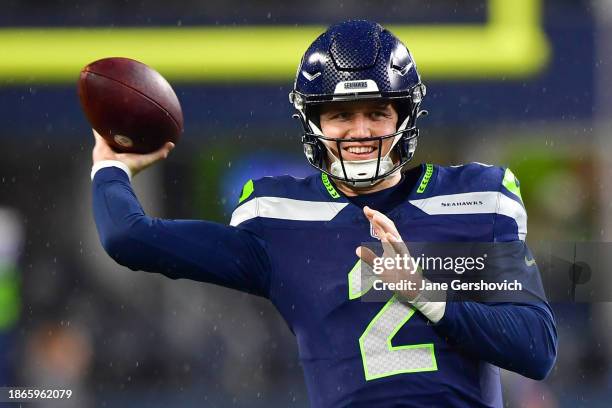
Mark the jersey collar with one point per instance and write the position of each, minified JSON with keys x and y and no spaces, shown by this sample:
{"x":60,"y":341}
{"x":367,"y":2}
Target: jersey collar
{"x":422,"y":188}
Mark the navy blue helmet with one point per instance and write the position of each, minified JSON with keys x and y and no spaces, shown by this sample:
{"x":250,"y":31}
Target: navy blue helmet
{"x":358,"y":60}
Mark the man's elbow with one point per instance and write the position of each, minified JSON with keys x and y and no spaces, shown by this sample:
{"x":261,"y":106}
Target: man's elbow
{"x":545,"y":354}
{"x":542,"y":365}
{"x":119,"y":245}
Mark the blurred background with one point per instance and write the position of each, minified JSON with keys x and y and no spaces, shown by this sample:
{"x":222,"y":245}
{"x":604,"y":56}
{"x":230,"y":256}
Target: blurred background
{"x":524,"y":83}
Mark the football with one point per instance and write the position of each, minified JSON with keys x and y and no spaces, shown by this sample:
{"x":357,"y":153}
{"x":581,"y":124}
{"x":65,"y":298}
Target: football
{"x":130,"y":104}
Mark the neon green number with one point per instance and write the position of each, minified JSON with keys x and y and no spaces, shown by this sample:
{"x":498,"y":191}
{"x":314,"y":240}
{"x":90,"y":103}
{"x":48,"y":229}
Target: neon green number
{"x":380,"y":358}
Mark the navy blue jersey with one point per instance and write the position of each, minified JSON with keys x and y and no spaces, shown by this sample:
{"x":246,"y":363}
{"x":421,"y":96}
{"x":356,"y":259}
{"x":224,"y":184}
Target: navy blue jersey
{"x":293,"y":241}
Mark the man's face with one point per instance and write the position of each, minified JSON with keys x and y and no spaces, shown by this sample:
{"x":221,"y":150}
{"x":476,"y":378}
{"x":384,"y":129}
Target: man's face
{"x":357,"y":120}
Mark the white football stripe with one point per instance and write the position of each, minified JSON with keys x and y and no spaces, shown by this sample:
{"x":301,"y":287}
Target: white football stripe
{"x":286,"y":209}
{"x":482,"y":202}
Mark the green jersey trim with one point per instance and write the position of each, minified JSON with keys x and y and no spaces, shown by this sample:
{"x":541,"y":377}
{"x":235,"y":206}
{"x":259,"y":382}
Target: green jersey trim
{"x":512,"y":184}
{"x":329,"y":186}
{"x":426,"y":178}
{"x":247,"y":190}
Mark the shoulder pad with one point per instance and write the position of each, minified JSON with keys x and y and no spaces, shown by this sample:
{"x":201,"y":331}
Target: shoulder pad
{"x":477,"y":188}
{"x":285,"y":198}
{"x":279,"y":186}
{"x":469,"y":177}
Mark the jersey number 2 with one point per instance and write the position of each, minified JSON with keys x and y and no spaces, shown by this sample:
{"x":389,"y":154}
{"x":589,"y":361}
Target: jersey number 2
{"x":379,"y":357}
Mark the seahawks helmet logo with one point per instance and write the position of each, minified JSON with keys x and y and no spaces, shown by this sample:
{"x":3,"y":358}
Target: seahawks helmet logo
{"x":309,"y":76}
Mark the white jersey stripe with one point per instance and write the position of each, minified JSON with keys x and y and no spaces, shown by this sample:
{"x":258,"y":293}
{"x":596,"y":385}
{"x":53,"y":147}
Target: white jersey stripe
{"x":286,"y":209}
{"x":513,"y":209}
{"x":481,"y":202}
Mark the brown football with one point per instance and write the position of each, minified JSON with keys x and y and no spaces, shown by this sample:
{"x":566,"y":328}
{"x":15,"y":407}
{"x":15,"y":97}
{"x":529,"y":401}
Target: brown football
{"x":131,"y":105}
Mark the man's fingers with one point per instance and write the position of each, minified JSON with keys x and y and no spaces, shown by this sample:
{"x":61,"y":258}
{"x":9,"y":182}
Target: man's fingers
{"x":398,"y":246}
{"x":169,"y":146}
{"x":164,"y":151}
{"x":134,"y":161}
{"x":386,"y":226}
{"x":383,"y":223}
{"x":380,"y":221}
{"x":386,"y":231}
{"x":366,"y":255}
{"x":101,"y":150}
{"x":388,"y":249}
{"x":145,"y":160}
{"x":99,"y":139}
{"x":392,"y":246}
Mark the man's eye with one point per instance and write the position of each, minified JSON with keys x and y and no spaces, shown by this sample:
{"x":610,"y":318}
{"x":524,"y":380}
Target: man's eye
{"x":341,"y":115}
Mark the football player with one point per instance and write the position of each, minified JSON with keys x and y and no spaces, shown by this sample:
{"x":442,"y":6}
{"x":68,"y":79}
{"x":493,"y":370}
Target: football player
{"x":358,"y":95}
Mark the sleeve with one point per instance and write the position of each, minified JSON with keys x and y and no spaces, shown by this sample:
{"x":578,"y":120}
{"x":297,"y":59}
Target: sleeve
{"x":516,"y":332}
{"x":198,"y":250}
{"x":518,"y":337}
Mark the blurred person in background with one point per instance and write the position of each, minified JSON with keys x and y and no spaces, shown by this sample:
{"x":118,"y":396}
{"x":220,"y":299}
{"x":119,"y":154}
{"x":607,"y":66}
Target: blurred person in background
{"x":358,"y":95}
{"x":11,"y":242}
{"x":58,"y":355}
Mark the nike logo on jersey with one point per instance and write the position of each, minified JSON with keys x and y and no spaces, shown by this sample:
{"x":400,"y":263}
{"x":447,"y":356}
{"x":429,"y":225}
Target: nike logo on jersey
{"x":529,"y":262}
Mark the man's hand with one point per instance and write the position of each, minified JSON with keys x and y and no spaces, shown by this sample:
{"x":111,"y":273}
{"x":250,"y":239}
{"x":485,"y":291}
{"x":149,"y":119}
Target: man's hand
{"x":135,"y":162}
{"x":392,"y":247}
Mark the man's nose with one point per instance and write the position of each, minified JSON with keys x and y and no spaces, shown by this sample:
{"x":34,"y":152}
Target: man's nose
{"x":360,"y":127}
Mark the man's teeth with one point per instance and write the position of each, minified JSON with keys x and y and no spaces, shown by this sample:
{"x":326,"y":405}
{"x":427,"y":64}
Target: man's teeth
{"x":360,"y":149}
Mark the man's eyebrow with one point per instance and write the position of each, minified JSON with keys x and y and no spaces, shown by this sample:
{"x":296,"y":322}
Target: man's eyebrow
{"x":383,"y":105}
{"x":333,"y":109}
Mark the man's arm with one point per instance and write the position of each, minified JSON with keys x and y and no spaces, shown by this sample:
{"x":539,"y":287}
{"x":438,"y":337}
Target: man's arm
{"x":511,"y":329}
{"x":519,"y":337}
{"x":198,"y":250}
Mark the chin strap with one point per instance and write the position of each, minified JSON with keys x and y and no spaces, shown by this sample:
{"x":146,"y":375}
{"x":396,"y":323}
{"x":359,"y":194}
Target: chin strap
{"x":354,"y":170}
